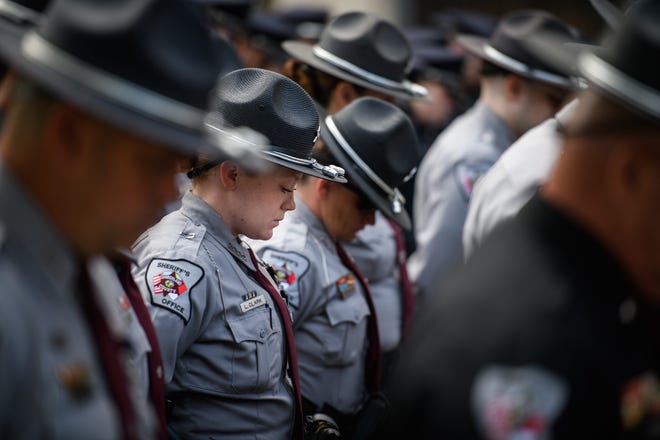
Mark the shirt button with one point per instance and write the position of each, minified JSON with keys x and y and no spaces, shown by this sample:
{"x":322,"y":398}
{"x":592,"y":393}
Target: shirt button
{"x":159,"y":372}
{"x":262,"y":333}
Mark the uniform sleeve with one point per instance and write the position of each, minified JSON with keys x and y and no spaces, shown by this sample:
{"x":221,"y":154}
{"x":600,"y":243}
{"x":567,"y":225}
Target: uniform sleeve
{"x":177,"y":294}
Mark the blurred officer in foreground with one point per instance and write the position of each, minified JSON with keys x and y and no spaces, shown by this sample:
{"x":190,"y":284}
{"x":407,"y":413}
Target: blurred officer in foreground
{"x":88,"y":155}
{"x":551,"y":329}
{"x":360,"y":54}
{"x":224,"y":329}
{"x":518,"y":91}
{"x":335,"y":322}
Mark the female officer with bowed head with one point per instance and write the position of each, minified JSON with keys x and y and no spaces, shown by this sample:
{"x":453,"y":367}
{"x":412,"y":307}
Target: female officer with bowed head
{"x":335,"y":325}
{"x":224,"y":330}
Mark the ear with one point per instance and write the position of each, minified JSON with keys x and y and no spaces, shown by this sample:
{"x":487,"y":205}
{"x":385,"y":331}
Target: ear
{"x":323,"y":188}
{"x":343,"y":94}
{"x":67,"y":131}
{"x":229,"y":174}
{"x":514,"y":87}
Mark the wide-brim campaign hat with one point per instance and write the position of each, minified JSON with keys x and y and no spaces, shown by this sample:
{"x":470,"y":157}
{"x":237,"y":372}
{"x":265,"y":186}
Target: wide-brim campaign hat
{"x":362,"y":49}
{"x":506,"y":48}
{"x":123,"y":63}
{"x":623,"y":67}
{"x":375,"y":142}
{"x":249,"y":101}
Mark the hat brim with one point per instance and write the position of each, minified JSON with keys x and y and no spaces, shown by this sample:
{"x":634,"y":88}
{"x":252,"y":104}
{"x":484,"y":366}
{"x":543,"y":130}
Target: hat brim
{"x":305,"y":52}
{"x":376,"y":196}
{"x":612,"y":15}
{"x":185,"y":140}
{"x":477,"y":46}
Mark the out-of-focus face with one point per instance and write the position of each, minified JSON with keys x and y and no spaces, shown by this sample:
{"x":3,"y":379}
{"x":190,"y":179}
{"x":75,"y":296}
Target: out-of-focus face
{"x":124,"y":183}
{"x":538,"y":103}
{"x":261,"y":200}
{"x":344,"y":212}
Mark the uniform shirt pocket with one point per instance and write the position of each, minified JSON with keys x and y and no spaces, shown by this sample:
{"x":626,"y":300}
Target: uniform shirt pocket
{"x":346,"y":338}
{"x":256,"y":363}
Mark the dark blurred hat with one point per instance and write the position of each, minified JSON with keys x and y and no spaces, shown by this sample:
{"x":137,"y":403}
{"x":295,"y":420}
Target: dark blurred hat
{"x":365,"y":50}
{"x":437,"y":57}
{"x":462,"y":21}
{"x":376,"y":143}
{"x":506,"y":48}
{"x":267,"y":32}
{"x":624,"y":67}
{"x":308,"y":21}
{"x":257,"y":100}
{"x":425,"y":36}
{"x":122,"y":63}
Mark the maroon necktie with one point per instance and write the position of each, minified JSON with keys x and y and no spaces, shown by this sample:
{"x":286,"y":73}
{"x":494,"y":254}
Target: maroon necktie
{"x":374,"y":360}
{"x":407,"y":295}
{"x":109,"y":353}
{"x":154,"y":359}
{"x":266,"y":283}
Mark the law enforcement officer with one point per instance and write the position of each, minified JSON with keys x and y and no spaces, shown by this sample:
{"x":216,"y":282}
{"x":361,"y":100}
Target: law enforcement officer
{"x":224,"y":329}
{"x":358,"y":55}
{"x":86,"y":165}
{"x":517,"y":174}
{"x":518,"y":91}
{"x":551,"y":329}
{"x":335,"y":325}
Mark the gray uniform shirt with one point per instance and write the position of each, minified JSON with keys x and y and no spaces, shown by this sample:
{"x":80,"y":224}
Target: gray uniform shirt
{"x":447,"y":173}
{"x":374,"y":252}
{"x":52,"y":382}
{"x":514,"y":178}
{"x":329,"y":310}
{"x":221,"y":337}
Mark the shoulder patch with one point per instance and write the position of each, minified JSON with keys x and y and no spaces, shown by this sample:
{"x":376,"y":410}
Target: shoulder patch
{"x":517,"y":402}
{"x":289,"y":267}
{"x":467,"y":174}
{"x":170,"y":284}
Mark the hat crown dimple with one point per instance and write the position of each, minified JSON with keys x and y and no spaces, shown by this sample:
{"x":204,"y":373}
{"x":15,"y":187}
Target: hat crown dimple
{"x":271,"y":104}
{"x":382,"y":136}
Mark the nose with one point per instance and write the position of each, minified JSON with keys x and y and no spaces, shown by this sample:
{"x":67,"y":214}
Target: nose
{"x":289,"y":204}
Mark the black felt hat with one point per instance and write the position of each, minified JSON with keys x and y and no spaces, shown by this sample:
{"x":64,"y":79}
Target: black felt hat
{"x":257,"y":100}
{"x":365,"y":50}
{"x":506,"y":48}
{"x":146,"y":65}
{"x":376,"y":143}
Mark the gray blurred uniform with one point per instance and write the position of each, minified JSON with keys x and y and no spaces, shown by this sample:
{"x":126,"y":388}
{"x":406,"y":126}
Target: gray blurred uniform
{"x":222,"y":340}
{"x":514,"y":178}
{"x":330,"y":312}
{"x":374,"y":252}
{"x":446,"y":176}
{"x":52,"y":381}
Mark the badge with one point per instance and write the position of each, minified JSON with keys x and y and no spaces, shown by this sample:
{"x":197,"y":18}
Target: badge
{"x":640,"y":401}
{"x":517,"y":402}
{"x":467,"y":174}
{"x":252,"y":301}
{"x":289,"y":267}
{"x":76,"y":378}
{"x":346,"y":285}
{"x":171,"y":282}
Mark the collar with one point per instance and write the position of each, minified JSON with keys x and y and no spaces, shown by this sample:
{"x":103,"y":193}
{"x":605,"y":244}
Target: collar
{"x":497,"y":132}
{"x":27,"y":224}
{"x":200,"y":213}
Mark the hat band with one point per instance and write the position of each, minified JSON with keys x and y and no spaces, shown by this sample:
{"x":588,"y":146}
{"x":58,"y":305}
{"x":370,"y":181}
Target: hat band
{"x":18,"y":13}
{"x":328,"y":170}
{"x":612,"y":80}
{"x":110,"y":86}
{"x":405,"y":85}
{"x":523,"y":68}
{"x":396,"y":198}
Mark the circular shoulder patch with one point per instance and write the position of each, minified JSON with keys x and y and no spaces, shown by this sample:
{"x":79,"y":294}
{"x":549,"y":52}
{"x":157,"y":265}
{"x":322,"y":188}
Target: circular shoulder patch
{"x":170,"y":284}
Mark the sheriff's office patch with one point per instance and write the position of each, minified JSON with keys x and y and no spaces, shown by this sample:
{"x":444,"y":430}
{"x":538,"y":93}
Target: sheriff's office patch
{"x":517,"y":402}
{"x":640,"y":403}
{"x":171,"y":282}
{"x":288,"y":267}
{"x":467,"y":174}
{"x":346,"y":285}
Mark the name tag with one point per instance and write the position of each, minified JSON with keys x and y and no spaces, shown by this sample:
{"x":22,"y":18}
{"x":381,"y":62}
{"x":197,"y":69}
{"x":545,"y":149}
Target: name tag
{"x":253,"y":303}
